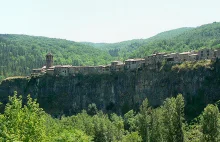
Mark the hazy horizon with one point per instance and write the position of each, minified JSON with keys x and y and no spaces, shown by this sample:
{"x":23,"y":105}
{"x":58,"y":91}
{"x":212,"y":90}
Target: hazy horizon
{"x":103,"y":21}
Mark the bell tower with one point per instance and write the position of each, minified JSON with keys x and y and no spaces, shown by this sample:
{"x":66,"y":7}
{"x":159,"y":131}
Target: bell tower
{"x":49,"y":60}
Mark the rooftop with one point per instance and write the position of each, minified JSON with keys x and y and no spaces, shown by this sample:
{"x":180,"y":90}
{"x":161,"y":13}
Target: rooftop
{"x":137,"y":59}
{"x":63,"y":66}
{"x":184,"y":53}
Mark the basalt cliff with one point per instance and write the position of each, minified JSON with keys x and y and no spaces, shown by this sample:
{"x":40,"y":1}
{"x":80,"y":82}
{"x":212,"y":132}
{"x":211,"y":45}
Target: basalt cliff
{"x":121,"y":91}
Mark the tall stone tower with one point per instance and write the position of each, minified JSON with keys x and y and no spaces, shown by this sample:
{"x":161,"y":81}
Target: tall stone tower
{"x":49,"y":60}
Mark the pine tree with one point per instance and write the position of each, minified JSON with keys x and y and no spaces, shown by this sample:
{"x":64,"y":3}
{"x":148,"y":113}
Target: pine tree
{"x":210,"y":124}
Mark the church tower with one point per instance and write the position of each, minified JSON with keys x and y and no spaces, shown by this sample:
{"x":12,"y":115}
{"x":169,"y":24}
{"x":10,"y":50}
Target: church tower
{"x":49,"y":60}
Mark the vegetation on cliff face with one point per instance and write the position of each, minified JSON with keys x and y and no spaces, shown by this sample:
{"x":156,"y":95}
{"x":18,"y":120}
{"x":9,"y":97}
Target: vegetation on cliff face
{"x":166,"y":123}
{"x":188,"y":65}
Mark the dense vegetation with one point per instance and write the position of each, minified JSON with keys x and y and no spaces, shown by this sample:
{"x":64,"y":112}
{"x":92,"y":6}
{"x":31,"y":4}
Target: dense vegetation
{"x":19,"y":54}
{"x":125,"y":49}
{"x":165,"y":123}
{"x":206,"y":36}
{"x":178,"y":40}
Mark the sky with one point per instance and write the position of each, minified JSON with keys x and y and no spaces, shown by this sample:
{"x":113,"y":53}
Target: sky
{"x":103,"y":20}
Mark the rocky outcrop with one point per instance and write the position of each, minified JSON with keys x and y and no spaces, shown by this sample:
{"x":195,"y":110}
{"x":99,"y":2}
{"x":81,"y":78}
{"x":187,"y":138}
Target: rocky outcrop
{"x":121,"y":91}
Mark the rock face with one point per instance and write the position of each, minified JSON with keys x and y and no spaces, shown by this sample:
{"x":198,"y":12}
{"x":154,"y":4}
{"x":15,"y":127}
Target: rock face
{"x":119,"y":92}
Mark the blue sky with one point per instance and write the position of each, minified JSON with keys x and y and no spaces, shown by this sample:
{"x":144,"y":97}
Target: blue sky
{"x":103,"y":20}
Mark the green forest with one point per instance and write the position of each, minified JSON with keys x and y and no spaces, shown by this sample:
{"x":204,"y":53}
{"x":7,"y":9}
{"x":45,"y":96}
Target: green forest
{"x":19,"y":54}
{"x":27,"y":122}
{"x":177,"y":40}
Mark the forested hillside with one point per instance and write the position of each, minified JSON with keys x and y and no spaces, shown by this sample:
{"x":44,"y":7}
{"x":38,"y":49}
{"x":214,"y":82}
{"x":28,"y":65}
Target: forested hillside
{"x":125,"y":49}
{"x":206,"y":36}
{"x":19,"y":54}
{"x":178,"y":40}
{"x":166,"y":123}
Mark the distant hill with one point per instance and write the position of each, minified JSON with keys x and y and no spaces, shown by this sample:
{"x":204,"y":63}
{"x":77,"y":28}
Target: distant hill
{"x":19,"y":54}
{"x":205,"y":36}
{"x":177,"y":40}
{"x":126,"y":48}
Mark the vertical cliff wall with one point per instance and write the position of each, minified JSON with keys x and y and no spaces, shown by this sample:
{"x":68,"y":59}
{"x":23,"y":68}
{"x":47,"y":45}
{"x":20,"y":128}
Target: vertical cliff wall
{"x":119,"y":92}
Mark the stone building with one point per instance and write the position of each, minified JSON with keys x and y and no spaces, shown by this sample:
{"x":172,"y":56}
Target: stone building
{"x":73,"y":70}
{"x":150,"y":60}
{"x":172,"y":58}
{"x":62,"y":70}
{"x":193,"y":57}
{"x":114,"y":65}
{"x":155,"y":59}
{"x":120,"y":67}
{"x":106,"y":69}
{"x":50,"y":71}
{"x":184,"y":56}
{"x":159,"y":57}
{"x":132,"y":64}
{"x":217,"y":53}
{"x":37,"y":71}
{"x":205,"y":54}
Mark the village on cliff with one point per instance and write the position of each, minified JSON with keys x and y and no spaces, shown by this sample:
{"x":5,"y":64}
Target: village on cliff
{"x":131,"y":64}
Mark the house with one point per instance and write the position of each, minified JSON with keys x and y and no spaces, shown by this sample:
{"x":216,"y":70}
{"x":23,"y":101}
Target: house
{"x":120,"y":67}
{"x":132,"y":64}
{"x":150,"y":60}
{"x":37,"y":71}
{"x":114,"y":64}
{"x":106,"y":69}
{"x":184,"y":56}
{"x":159,"y":57}
{"x":172,"y":58}
{"x":62,"y":70}
{"x":50,"y":71}
{"x":205,"y":54}
{"x":217,"y":53}
{"x":193,"y":57}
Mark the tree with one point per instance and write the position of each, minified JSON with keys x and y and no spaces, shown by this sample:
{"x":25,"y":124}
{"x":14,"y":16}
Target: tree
{"x":179,"y":118}
{"x":156,"y":133}
{"x":173,"y":114}
{"x":168,"y":119}
{"x":144,"y":120}
{"x":210,"y":124}
{"x":130,"y":121}
{"x":92,"y":109}
{"x":22,"y":123}
{"x":132,"y":137}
